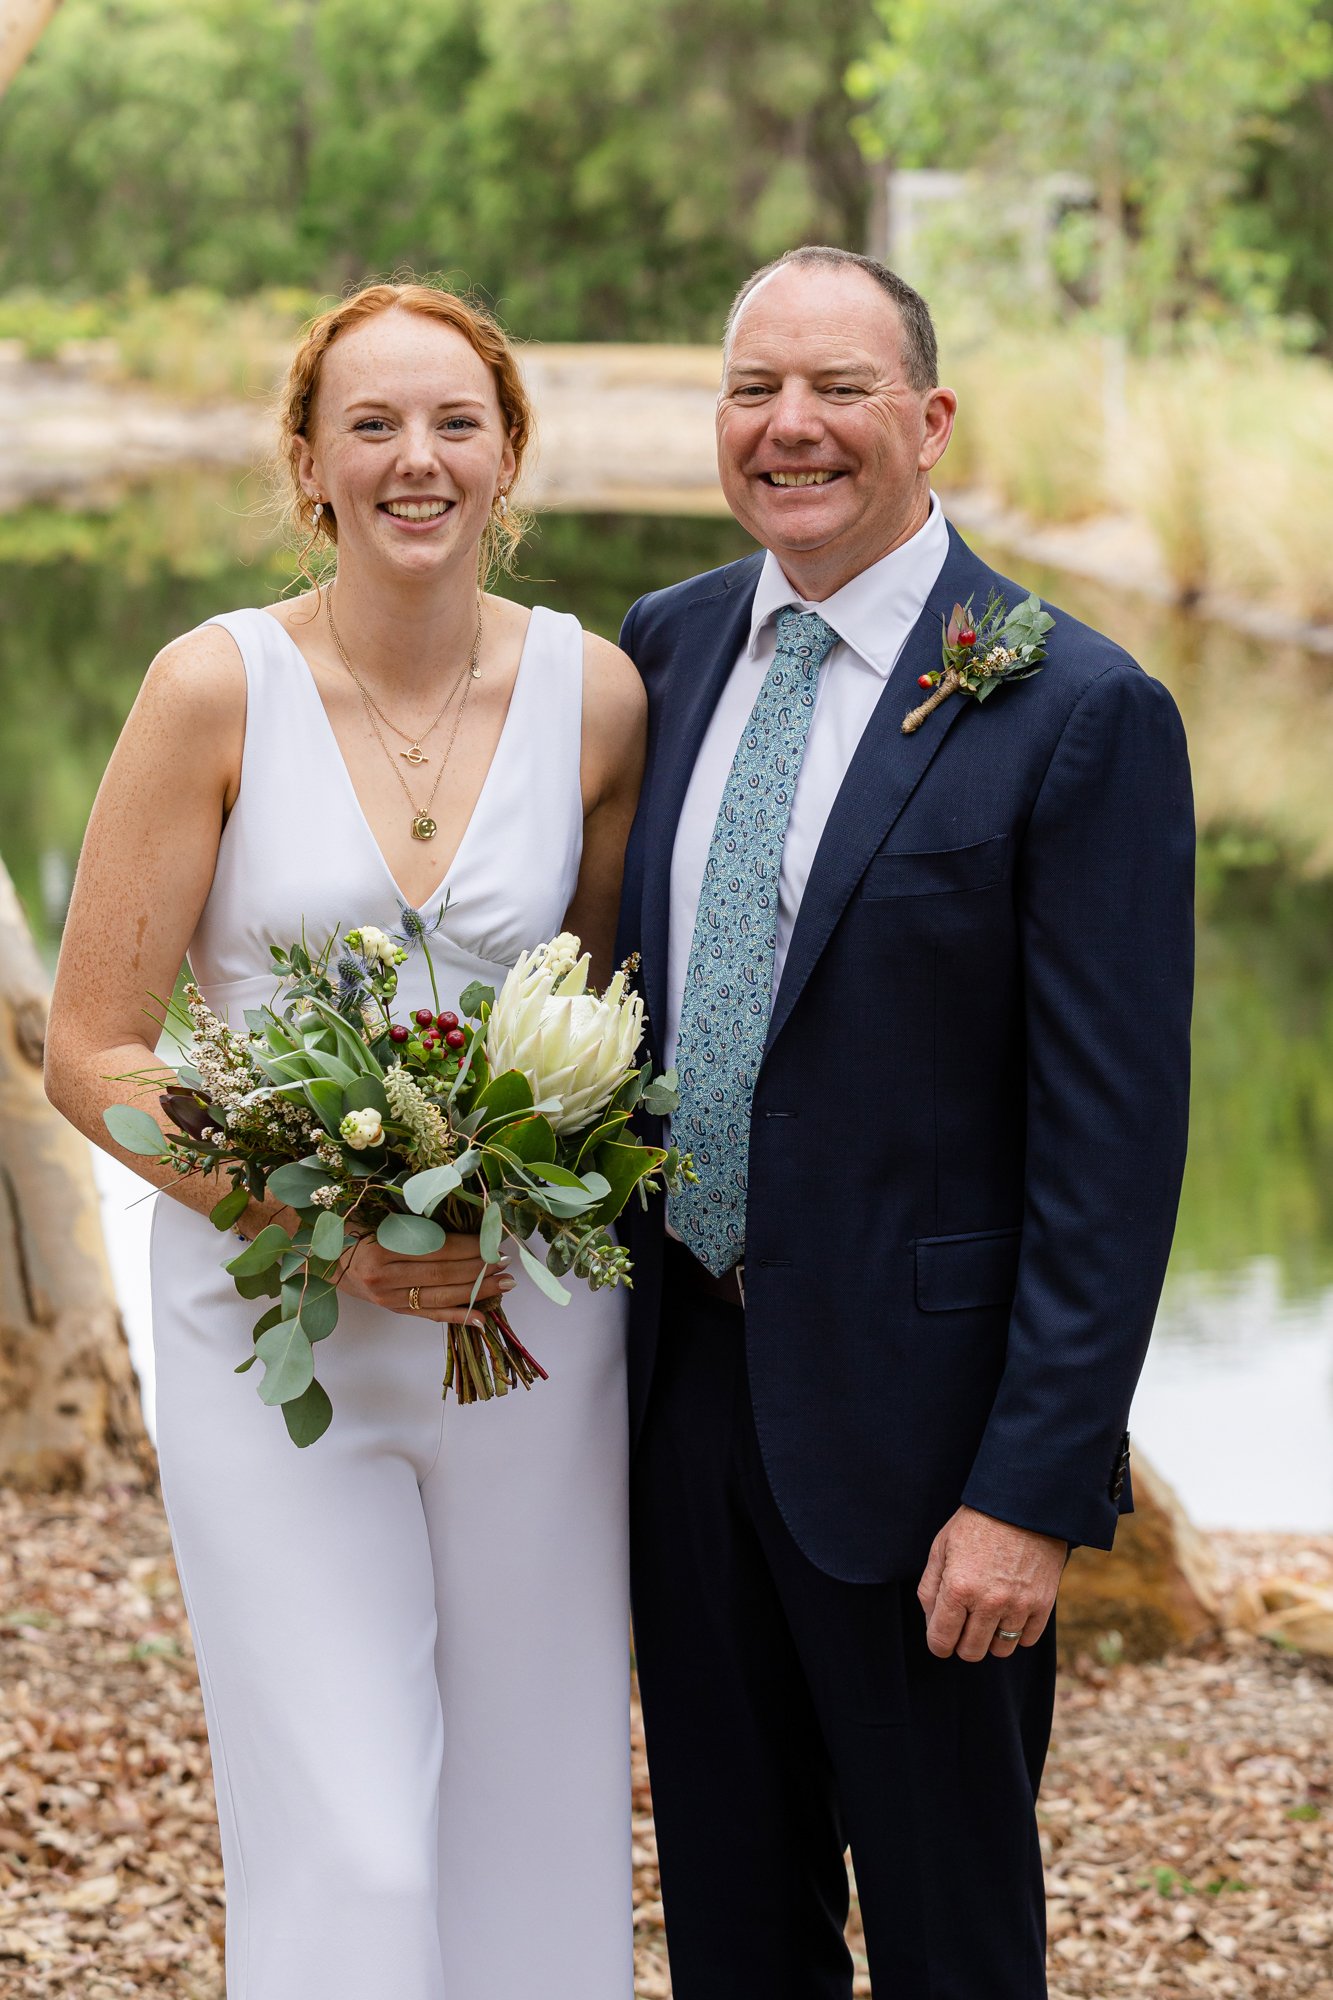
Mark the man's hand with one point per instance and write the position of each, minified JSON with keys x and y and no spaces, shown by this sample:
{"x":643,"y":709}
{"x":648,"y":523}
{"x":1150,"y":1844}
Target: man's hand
{"x":983,"y":1578}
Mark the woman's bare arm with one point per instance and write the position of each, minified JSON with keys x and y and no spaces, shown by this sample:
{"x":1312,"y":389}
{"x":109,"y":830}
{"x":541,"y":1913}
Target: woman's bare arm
{"x":615,"y":723}
{"x":144,"y":875}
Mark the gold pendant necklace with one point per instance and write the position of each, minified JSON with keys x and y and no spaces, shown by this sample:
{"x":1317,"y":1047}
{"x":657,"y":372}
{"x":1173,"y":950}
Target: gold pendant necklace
{"x":423,"y":826}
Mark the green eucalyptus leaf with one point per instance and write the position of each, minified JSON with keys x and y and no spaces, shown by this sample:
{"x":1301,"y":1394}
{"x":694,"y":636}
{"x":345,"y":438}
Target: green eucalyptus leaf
{"x":258,"y":1284}
{"x":295,"y":1184}
{"x":289,"y":1362}
{"x":135,"y":1130}
{"x":410,"y":1235}
{"x":491,"y":1234}
{"x":424,"y":1190}
{"x":308,"y":1416}
{"x":270,"y":1318}
{"x":243,"y":1367}
{"x":474,"y":997}
{"x":542,"y":1278}
{"x":266,"y":1249}
{"x":327,"y":1237}
{"x":662,"y":1096}
{"x":319,"y":1310}
{"x":230,"y":1209}
{"x":556,"y":1176}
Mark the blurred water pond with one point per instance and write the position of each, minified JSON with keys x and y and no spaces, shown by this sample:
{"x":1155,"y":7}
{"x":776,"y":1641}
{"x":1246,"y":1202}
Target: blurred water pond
{"x":1237,"y":1400}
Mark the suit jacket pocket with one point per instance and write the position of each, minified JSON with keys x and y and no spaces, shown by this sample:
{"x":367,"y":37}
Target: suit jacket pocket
{"x":893,"y":872}
{"x":959,"y":1273}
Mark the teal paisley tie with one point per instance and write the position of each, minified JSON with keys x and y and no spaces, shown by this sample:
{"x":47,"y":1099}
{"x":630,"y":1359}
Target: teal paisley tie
{"x":729,"y":980}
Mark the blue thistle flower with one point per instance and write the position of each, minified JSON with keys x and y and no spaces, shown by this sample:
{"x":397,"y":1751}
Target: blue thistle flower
{"x":413,"y":928}
{"x":353,"y":975}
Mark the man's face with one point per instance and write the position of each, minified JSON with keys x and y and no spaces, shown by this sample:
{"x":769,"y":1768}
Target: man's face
{"x":824,"y":448}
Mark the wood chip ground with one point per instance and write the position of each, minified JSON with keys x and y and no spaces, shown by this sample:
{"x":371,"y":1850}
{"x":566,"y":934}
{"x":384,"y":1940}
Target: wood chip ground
{"x":1187,"y":1812}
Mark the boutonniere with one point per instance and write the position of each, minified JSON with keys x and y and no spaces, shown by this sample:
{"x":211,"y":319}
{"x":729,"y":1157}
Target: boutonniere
{"x":1002,"y":645}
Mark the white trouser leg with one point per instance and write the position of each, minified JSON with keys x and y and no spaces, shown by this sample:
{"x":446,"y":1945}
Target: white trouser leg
{"x":528,"y":1516}
{"x":311,"y":1593}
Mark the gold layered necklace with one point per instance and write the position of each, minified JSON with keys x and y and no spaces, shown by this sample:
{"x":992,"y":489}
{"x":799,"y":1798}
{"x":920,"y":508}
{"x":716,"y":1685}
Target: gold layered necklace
{"x":423,"y":826}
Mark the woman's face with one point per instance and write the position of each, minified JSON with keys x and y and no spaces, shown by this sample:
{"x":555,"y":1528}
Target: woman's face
{"x":407,"y":444}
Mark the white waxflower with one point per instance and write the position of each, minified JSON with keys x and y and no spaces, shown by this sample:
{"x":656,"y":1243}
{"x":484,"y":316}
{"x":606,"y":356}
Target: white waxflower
{"x":361,"y":1129}
{"x":573,"y":1048}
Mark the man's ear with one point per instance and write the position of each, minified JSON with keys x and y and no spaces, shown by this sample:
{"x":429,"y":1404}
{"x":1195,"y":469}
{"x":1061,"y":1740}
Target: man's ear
{"x":938,"y":413}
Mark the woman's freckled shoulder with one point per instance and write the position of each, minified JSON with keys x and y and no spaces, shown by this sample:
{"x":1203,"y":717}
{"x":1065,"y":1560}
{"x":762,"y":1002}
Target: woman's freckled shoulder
{"x":200,"y":675}
{"x":612,"y":677}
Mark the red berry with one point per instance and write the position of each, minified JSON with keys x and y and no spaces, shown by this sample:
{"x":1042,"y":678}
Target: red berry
{"x":397,"y":1034}
{"x":456,"y":1039}
{"x":430,"y":1039}
{"x":924,"y":681}
{"x":967,"y":637}
{"x":424,"y":1018}
{"x":446,"y":1020}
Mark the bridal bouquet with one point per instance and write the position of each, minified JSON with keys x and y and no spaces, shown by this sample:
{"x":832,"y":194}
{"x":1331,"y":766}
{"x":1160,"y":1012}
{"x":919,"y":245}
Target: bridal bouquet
{"x":507,"y":1119}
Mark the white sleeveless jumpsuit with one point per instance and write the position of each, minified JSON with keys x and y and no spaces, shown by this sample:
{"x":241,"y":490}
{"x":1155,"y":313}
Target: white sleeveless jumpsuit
{"x":413,"y":1636}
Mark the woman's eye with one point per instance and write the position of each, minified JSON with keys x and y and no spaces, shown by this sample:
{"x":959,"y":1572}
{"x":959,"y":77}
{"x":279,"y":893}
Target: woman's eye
{"x":371,"y":424}
{"x":459,"y":424}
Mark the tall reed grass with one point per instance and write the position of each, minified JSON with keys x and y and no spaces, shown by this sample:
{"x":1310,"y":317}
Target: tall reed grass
{"x":1224,"y":456}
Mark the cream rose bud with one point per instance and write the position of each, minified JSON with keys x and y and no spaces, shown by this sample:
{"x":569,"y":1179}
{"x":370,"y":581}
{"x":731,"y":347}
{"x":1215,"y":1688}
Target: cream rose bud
{"x":361,"y":1129}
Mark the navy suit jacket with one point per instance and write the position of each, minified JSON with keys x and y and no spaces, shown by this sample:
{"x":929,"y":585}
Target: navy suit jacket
{"x":969,"y":1123}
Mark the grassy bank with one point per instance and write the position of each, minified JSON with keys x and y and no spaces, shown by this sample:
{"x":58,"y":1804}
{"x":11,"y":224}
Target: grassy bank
{"x":1224,"y":458}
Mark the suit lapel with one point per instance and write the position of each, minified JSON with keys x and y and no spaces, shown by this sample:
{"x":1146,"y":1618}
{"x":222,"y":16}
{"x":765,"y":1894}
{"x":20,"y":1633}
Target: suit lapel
{"x":882,"y":776}
{"x":710,"y":636}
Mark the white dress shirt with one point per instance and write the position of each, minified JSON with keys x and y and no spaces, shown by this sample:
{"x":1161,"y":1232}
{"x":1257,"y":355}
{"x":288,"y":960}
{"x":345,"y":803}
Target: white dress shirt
{"x":872,"y":615}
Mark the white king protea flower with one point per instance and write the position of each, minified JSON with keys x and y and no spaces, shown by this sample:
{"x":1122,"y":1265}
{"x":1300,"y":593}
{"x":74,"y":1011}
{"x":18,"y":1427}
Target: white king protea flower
{"x":574,"y":1049}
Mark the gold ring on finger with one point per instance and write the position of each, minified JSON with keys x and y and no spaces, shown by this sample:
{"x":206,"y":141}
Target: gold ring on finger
{"x":414,"y":1298}
{"x":1008,"y":1635}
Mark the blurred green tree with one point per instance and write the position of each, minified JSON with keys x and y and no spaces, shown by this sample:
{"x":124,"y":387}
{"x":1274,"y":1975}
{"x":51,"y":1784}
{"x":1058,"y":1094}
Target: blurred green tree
{"x":607,"y":169}
{"x":1152,"y":103}
{"x":1289,"y":213}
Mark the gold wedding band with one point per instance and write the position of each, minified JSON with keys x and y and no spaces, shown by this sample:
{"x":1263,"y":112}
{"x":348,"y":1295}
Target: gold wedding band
{"x":414,"y":1298}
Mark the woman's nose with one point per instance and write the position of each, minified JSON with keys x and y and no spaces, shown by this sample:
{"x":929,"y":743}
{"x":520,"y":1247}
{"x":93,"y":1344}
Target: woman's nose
{"x":417,"y":449}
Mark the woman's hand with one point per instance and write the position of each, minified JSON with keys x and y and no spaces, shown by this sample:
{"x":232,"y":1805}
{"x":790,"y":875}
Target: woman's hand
{"x":443,"y":1283}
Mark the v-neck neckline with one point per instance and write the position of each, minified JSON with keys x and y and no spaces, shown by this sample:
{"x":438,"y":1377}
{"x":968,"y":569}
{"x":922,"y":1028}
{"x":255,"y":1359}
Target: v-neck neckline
{"x":443,"y":884}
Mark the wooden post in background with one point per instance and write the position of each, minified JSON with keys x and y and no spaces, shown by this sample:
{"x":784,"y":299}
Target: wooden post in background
{"x":70,"y":1417}
{"x":22,"y":23}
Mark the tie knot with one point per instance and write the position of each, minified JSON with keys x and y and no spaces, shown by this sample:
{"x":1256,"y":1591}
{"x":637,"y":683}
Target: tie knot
{"x":805,"y":637}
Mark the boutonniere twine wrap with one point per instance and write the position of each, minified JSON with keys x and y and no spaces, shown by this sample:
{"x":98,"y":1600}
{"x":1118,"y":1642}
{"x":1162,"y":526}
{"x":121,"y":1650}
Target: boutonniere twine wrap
{"x":980,"y":656}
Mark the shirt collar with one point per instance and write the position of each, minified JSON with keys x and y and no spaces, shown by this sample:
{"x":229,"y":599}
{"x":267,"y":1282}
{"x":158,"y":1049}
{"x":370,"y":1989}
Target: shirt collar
{"x":875,"y":611}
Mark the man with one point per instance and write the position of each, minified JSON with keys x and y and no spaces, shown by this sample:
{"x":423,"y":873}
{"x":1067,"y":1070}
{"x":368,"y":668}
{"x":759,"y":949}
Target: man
{"x":928,"y":993}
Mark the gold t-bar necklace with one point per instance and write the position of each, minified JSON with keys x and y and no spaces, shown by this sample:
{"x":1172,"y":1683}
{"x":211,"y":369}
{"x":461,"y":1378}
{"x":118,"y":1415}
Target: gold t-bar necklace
{"x":414,"y":754}
{"x":423,"y":826}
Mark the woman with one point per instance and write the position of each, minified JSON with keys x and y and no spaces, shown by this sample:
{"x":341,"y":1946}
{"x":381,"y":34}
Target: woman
{"x":412,"y":1638}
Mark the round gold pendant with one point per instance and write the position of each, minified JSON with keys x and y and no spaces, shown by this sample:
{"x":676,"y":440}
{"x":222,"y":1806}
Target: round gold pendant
{"x":423,"y":827}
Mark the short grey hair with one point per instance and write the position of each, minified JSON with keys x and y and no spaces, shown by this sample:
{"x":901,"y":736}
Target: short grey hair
{"x":920,"y":348}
